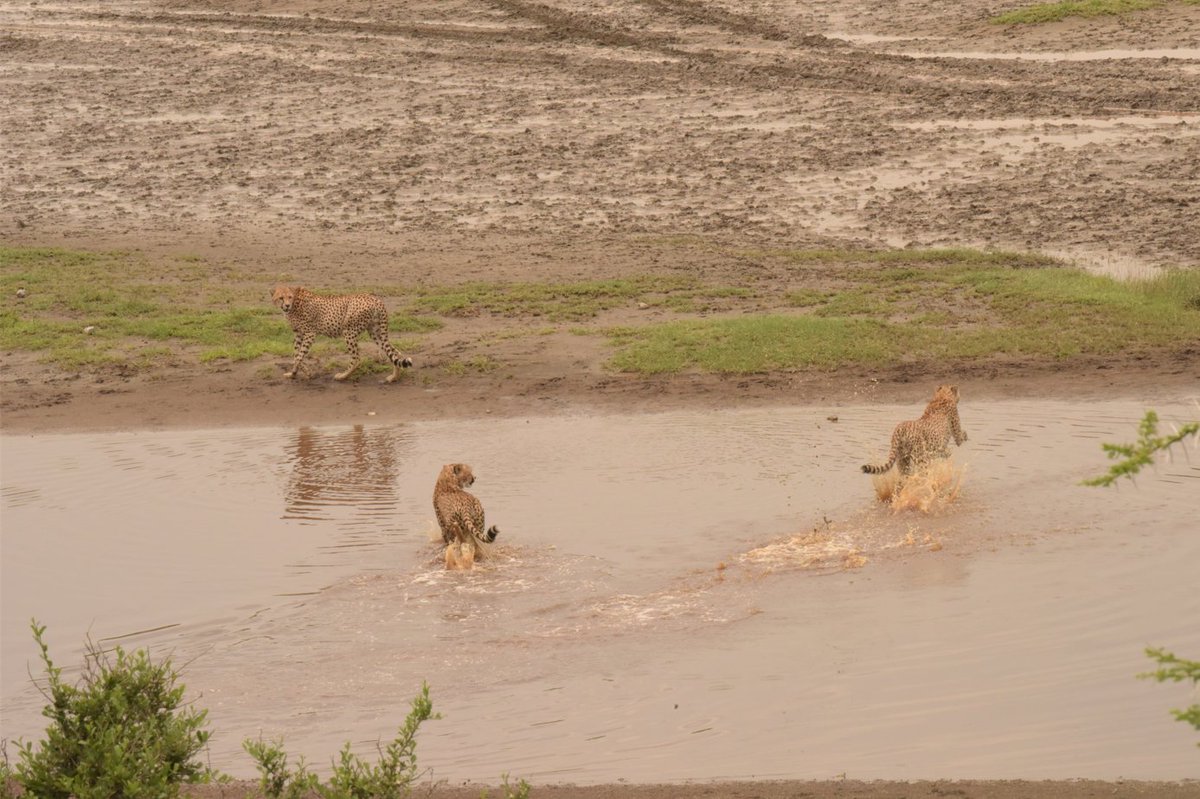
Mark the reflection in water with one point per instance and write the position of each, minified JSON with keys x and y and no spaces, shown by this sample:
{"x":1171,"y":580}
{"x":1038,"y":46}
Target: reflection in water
{"x":356,"y":467}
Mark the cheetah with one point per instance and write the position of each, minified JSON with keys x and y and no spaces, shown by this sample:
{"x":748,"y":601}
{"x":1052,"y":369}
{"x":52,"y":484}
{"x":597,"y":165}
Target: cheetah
{"x":345,"y":315}
{"x":918,"y":441}
{"x":460,"y":515}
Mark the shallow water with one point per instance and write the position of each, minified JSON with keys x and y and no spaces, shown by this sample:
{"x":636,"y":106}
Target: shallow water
{"x":680,"y":595}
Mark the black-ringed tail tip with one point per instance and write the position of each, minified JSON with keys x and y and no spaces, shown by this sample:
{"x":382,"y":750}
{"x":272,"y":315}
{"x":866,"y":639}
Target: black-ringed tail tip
{"x":406,"y":363}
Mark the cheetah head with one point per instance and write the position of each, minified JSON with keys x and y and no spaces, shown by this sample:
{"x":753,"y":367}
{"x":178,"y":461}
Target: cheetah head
{"x":284,"y":297}
{"x":457,"y":474}
{"x":947,"y":394}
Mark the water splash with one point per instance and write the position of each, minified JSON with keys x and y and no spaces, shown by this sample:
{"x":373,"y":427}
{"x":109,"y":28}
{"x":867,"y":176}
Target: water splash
{"x":828,"y":549}
{"x":929,"y":490}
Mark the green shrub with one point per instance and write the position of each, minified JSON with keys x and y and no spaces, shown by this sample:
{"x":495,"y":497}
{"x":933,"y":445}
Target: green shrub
{"x":391,"y":777}
{"x":121,"y":731}
{"x":518,"y":791}
{"x":276,"y":779}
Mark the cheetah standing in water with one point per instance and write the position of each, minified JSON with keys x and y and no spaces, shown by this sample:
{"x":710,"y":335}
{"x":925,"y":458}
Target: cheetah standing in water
{"x":344,"y":315}
{"x":919,"y":441}
{"x":460,"y":515}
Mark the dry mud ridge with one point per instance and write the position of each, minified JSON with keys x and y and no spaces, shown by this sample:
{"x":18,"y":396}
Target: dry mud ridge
{"x":360,"y":131}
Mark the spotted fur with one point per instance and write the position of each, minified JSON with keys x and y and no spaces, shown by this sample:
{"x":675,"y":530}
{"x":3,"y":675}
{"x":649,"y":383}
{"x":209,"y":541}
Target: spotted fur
{"x":919,"y":441}
{"x":460,"y":514}
{"x":347,"y":316}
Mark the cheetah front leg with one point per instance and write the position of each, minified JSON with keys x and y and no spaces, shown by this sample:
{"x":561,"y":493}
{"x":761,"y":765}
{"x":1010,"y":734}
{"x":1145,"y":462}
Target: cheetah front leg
{"x":352,"y":346}
{"x":304,"y":342}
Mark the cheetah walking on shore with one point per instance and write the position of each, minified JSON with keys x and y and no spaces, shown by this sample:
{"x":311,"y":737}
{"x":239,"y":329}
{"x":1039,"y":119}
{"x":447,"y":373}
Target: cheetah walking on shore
{"x":345,"y":315}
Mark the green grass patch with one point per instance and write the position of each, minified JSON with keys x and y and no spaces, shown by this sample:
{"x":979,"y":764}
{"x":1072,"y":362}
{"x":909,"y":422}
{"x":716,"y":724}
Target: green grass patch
{"x":979,"y":306}
{"x":577,"y":301}
{"x":839,"y":307}
{"x":754,"y":344}
{"x":960,"y":256}
{"x":141,"y":313}
{"x":1054,"y":12}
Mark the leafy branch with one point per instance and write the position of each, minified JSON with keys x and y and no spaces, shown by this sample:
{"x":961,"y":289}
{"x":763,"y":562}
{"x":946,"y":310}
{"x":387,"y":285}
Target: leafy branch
{"x":1175,"y":669}
{"x":1141,"y":453}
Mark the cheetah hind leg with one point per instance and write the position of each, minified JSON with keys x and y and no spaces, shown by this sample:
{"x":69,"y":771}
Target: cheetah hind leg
{"x":352,"y":346}
{"x":379,"y":335}
{"x":460,"y":556}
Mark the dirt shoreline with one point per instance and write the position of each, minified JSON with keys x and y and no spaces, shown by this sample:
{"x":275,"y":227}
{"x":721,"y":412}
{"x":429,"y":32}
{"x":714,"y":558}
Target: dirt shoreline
{"x":238,"y":397}
{"x":798,"y":789}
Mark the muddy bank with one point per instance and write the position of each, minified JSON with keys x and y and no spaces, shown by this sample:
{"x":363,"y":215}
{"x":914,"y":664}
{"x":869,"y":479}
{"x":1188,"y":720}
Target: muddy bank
{"x":569,"y":380}
{"x":833,"y":789}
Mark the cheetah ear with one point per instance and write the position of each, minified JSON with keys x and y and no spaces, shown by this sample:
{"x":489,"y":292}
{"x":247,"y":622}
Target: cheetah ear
{"x":458,"y":468}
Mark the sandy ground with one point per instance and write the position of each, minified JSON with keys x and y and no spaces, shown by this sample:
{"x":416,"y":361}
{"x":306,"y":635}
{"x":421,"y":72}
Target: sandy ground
{"x":368,"y":141}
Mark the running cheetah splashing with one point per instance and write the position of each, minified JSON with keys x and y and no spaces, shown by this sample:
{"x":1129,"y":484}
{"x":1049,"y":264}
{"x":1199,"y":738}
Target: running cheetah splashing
{"x":919,"y":441}
{"x":460,"y":515}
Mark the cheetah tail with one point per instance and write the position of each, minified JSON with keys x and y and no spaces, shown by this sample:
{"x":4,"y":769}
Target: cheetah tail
{"x":869,"y":469}
{"x":492,"y":532}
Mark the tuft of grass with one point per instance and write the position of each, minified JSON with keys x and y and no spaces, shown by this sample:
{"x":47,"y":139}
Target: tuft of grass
{"x":1054,"y":12}
{"x":477,"y":363}
{"x":855,"y":302}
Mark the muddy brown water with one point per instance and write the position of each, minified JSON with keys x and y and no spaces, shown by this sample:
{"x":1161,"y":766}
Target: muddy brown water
{"x":675,"y":596}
